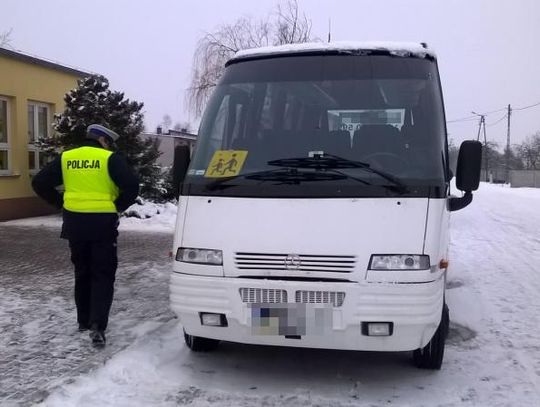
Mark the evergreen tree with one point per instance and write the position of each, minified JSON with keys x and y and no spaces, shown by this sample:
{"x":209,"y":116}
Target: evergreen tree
{"x":169,"y":190}
{"x":93,"y":102}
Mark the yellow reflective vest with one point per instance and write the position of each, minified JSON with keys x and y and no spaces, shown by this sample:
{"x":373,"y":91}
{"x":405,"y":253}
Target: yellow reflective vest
{"x":88,"y":185}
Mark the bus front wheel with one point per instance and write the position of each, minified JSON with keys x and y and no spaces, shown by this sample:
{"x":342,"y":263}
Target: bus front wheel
{"x":431,"y":355}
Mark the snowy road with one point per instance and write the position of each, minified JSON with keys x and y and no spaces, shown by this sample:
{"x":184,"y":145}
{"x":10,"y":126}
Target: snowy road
{"x":496,"y":251}
{"x":492,"y":358}
{"x":40,"y":348}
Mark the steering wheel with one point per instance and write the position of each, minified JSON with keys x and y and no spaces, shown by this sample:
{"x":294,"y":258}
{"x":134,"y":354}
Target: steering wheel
{"x":385,"y":160}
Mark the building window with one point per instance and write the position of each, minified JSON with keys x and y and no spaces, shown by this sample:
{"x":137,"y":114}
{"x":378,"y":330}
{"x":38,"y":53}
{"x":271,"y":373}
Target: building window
{"x":4,"y":136}
{"x":39,"y":123}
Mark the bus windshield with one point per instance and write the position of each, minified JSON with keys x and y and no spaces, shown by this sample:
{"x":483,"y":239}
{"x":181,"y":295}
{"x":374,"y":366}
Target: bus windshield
{"x":323,"y":126}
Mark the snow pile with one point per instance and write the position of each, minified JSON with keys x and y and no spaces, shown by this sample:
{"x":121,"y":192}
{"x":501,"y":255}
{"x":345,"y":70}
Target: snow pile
{"x":149,"y":216}
{"x":142,"y":209}
{"x":143,"y":216}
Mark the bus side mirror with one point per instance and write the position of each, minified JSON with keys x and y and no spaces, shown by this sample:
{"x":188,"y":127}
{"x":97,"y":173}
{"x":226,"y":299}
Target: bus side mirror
{"x":181,"y":161}
{"x":467,"y":173}
{"x":468,"y":166}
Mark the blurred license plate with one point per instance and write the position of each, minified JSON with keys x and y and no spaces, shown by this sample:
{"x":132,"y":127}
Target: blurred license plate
{"x":290,"y":319}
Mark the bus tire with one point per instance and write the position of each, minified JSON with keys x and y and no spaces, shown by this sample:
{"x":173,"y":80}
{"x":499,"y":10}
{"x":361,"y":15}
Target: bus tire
{"x":431,"y":355}
{"x":198,"y":344}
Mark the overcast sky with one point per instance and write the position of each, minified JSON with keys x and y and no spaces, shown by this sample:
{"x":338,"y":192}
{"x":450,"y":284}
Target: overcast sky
{"x":488,"y":50}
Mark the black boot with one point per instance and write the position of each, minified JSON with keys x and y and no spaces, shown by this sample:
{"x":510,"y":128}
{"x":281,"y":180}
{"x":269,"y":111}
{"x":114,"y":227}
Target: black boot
{"x":83,"y":327}
{"x":97,"y":335}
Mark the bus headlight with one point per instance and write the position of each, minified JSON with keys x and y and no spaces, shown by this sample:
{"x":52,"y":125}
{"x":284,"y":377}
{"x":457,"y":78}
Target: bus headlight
{"x":200,"y":256}
{"x":399,"y":262}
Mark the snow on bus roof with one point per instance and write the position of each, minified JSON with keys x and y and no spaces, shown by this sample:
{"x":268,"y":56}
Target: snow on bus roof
{"x":395,"y":48}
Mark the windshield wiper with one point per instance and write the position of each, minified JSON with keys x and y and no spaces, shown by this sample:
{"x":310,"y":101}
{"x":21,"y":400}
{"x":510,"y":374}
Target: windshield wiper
{"x":326,"y":169}
{"x":318,"y":162}
{"x":283,"y":175}
{"x":332,"y":162}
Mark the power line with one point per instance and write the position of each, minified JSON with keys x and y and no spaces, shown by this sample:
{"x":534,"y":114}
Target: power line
{"x":474,"y":118}
{"x":498,"y":121}
{"x":469,"y":118}
{"x":494,"y":111}
{"x":464,"y":119}
{"x":482,"y":126}
{"x":526,"y":107}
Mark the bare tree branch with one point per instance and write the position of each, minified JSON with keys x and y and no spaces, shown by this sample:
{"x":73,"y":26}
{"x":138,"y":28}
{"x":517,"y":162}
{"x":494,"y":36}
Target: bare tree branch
{"x":5,"y":38}
{"x":290,"y":26}
{"x":213,"y":50}
{"x":529,"y":151}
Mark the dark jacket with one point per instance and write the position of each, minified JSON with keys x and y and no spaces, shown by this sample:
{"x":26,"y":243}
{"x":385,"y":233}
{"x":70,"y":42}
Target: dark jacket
{"x":88,"y":226}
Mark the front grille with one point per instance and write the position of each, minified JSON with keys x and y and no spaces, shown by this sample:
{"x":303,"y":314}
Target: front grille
{"x":335,"y":298}
{"x":263,"y":295}
{"x":301,"y":262}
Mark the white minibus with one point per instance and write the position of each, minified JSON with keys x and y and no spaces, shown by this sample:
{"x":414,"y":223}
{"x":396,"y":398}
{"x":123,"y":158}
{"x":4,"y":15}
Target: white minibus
{"x":314,"y":211}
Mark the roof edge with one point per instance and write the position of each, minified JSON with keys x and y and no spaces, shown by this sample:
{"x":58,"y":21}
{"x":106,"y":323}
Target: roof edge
{"x":417,"y":49}
{"x":21,"y":56}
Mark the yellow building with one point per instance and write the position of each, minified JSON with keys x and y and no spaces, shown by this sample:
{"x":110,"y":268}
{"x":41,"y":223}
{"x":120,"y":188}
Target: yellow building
{"x":31,"y":92}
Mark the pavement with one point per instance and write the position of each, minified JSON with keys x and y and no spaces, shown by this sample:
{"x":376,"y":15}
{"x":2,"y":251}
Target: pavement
{"x":40,"y":346}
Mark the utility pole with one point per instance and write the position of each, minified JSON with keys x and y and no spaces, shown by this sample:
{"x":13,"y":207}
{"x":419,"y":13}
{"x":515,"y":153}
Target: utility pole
{"x":508,"y":146}
{"x":486,"y":148}
{"x":329,"y":29}
{"x":482,"y":125}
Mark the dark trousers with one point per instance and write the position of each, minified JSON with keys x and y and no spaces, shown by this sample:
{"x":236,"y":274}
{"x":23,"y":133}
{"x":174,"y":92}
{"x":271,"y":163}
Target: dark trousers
{"x":95,"y":264}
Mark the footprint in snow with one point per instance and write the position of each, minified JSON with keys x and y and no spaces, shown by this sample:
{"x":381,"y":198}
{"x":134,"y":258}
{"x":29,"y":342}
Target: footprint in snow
{"x":454,"y":284}
{"x":457,"y":334}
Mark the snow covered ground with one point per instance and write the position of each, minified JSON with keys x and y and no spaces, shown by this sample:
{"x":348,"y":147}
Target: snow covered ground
{"x":492,"y":358}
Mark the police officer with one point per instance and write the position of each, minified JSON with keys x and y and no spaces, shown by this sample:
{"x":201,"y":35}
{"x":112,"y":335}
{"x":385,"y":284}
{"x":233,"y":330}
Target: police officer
{"x":98,"y":184}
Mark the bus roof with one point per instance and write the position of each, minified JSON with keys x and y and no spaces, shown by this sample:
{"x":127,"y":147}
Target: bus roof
{"x":405,"y":49}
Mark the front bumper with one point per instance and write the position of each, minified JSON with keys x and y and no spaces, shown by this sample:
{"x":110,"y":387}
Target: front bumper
{"x":414,"y":310}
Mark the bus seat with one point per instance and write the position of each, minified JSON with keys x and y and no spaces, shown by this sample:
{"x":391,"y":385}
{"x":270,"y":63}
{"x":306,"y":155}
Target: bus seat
{"x":373,"y":138}
{"x":338,"y":142}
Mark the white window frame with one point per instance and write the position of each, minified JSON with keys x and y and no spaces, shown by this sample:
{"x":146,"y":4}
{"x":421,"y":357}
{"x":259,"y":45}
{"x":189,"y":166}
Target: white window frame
{"x":31,"y":145}
{"x":7,"y":145}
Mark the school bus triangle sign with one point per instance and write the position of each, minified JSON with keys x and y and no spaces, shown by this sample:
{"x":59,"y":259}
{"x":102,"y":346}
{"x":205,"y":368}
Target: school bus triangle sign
{"x":226,"y":163}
